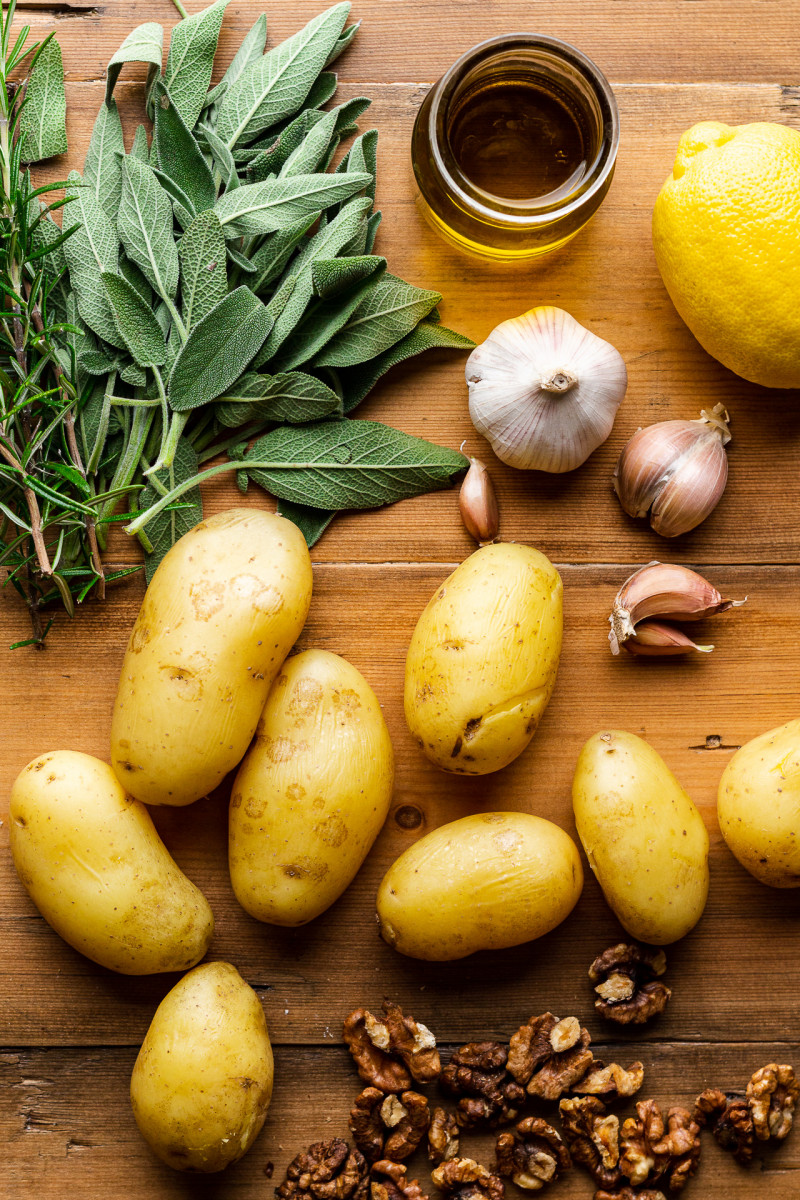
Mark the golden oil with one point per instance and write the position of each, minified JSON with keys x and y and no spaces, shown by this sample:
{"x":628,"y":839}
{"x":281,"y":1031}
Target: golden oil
{"x":514,"y":148}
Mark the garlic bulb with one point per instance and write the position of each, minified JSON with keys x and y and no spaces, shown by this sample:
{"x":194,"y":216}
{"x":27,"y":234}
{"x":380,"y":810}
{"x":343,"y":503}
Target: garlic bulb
{"x":675,"y":471}
{"x":477,"y":503}
{"x":662,"y":591}
{"x":544,"y":391}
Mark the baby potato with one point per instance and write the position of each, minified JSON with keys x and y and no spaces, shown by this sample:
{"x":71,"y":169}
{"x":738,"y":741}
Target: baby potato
{"x":480,"y":883}
{"x":759,"y":806}
{"x":221,"y":613}
{"x":93,"y":864}
{"x":202,"y":1082}
{"x":643,"y":837}
{"x":483,"y":659}
{"x":312,"y":792}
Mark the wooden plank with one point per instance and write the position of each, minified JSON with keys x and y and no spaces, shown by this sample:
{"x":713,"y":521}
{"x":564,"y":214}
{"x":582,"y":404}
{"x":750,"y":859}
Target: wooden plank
{"x":574,"y":517}
{"x":636,"y":39}
{"x":68,"y":1128}
{"x":367,"y":613}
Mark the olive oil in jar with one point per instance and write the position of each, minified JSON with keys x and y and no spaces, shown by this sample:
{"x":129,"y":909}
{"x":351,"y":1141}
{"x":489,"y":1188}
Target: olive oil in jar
{"x":519,"y":141}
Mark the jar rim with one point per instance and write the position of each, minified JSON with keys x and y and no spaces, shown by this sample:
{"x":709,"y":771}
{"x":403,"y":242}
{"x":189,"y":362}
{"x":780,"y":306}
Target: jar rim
{"x":528,"y":213}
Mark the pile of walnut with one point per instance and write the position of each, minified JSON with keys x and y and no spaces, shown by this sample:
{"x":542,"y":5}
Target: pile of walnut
{"x":546,"y":1060}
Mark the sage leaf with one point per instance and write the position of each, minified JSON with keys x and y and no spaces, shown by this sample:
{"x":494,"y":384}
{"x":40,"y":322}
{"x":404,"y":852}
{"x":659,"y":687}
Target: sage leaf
{"x":133,"y":374}
{"x":217,"y":349}
{"x":223,"y":161}
{"x":136,"y":323}
{"x":276,"y":203}
{"x":145,"y":44}
{"x":271,"y":257}
{"x":240,"y":260}
{"x":135,"y":278}
{"x":204,"y":280}
{"x":312,"y":522}
{"x":182,"y":206}
{"x":145,"y":227}
{"x":372,"y":229}
{"x":348,"y":113}
{"x":363,"y":156}
{"x":387,"y":314}
{"x":92,"y":249}
{"x":250,"y":51}
{"x":330,"y":276}
{"x":140,"y":149}
{"x":312,"y":150}
{"x":322,"y":90}
{"x":357,"y":382}
{"x":342,"y":42}
{"x":42,"y":122}
{"x":48,"y":242}
{"x":291,"y":396}
{"x":276,"y":86}
{"x":349,"y":464}
{"x":191,"y":60}
{"x":326,"y":243}
{"x":165,"y":529}
{"x":269,"y":160}
{"x":323,"y":320}
{"x":178,"y":154}
{"x":102,"y":168}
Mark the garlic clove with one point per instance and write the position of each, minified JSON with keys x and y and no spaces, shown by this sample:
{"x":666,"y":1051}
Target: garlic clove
{"x":544,"y":391}
{"x":655,"y":639}
{"x":477,"y":502}
{"x":675,"y":471}
{"x":666,"y":591}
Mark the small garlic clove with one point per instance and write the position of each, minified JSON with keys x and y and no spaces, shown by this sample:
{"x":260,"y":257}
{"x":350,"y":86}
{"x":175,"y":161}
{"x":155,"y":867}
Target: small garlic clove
{"x":666,"y":591}
{"x":675,"y":471}
{"x":544,"y":391}
{"x":654,"y":639}
{"x":477,"y":502}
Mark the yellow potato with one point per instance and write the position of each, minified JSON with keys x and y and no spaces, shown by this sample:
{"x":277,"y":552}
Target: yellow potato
{"x":759,"y":806}
{"x":481,"y":883}
{"x":483,"y":659}
{"x":202,"y":1081}
{"x":98,"y":872}
{"x":643,"y":837}
{"x":222,"y":612}
{"x":312,"y":792}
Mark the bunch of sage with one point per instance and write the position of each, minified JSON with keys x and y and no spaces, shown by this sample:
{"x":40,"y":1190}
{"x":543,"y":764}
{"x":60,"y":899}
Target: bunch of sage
{"x":226,"y":294}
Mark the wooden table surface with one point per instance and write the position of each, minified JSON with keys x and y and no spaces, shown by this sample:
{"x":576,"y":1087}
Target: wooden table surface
{"x":70,"y":1029}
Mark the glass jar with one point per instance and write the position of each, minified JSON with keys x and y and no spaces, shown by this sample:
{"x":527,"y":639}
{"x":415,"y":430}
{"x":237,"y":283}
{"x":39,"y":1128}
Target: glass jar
{"x":503,"y":227}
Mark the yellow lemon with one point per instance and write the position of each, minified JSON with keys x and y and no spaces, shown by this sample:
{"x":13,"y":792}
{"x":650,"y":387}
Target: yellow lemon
{"x":726,"y":231}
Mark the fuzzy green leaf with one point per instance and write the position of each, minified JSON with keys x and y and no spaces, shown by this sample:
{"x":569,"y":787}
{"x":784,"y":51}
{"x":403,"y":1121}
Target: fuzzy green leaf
{"x":145,"y":44}
{"x":136,"y":323}
{"x":323,"y":320}
{"x":218,"y":349}
{"x":145,"y":227}
{"x":348,"y":464}
{"x":331,"y":276}
{"x":223,"y":160}
{"x":322,"y":90}
{"x":293,"y":397}
{"x":165,"y":529}
{"x":372,"y":229}
{"x":102,"y":169}
{"x":313,"y":150}
{"x":178,"y":154}
{"x":92,"y":249}
{"x":140,"y":150}
{"x":326,"y":243}
{"x":135,"y":278}
{"x":42,"y":123}
{"x":204,"y":280}
{"x":276,"y":203}
{"x":363,"y":156}
{"x":387,"y":314}
{"x":342,"y":42}
{"x":271,"y":158}
{"x":312,"y":522}
{"x":357,"y":382}
{"x":191,"y":60}
{"x":249,"y":52}
{"x":272,"y":256}
{"x":277,"y":85}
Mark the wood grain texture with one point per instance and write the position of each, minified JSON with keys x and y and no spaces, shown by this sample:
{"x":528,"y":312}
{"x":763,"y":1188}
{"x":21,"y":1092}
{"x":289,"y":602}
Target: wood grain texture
{"x":71,"y":1028}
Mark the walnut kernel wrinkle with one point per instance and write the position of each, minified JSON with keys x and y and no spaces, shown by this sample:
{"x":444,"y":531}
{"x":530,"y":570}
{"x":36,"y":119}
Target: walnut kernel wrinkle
{"x":592,"y":1135}
{"x":442,"y":1136}
{"x":389,"y":1053}
{"x":533,"y":1155}
{"x":772,"y":1096}
{"x":610,"y":1081}
{"x":487,"y":1095}
{"x":653,"y":1149}
{"x":549,"y":1056}
{"x":627,"y":984}
{"x":629,"y":1193}
{"x":388,"y":1126}
{"x":730,"y":1121}
{"x":465,"y":1179}
{"x":326,"y":1171}
{"x":390,"y":1182}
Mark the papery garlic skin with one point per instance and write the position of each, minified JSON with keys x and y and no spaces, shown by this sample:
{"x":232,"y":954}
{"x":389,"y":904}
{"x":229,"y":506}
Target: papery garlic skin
{"x":477,"y":503}
{"x":654,"y":639}
{"x":544,"y":391}
{"x":675,"y":472}
{"x":665,"y":591}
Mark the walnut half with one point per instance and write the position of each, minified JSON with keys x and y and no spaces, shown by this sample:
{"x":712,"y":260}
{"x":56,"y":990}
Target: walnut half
{"x":533,"y":1155}
{"x":465,"y":1179}
{"x":487,"y":1094}
{"x":548,"y":1055}
{"x":389,"y":1053}
{"x":592,"y":1135}
{"x":388,"y":1126}
{"x":326,"y":1171}
{"x":730,"y":1121}
{"x":626,"y":983}
{"x":654,"y":1150}
{"x":772,"y":1096}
